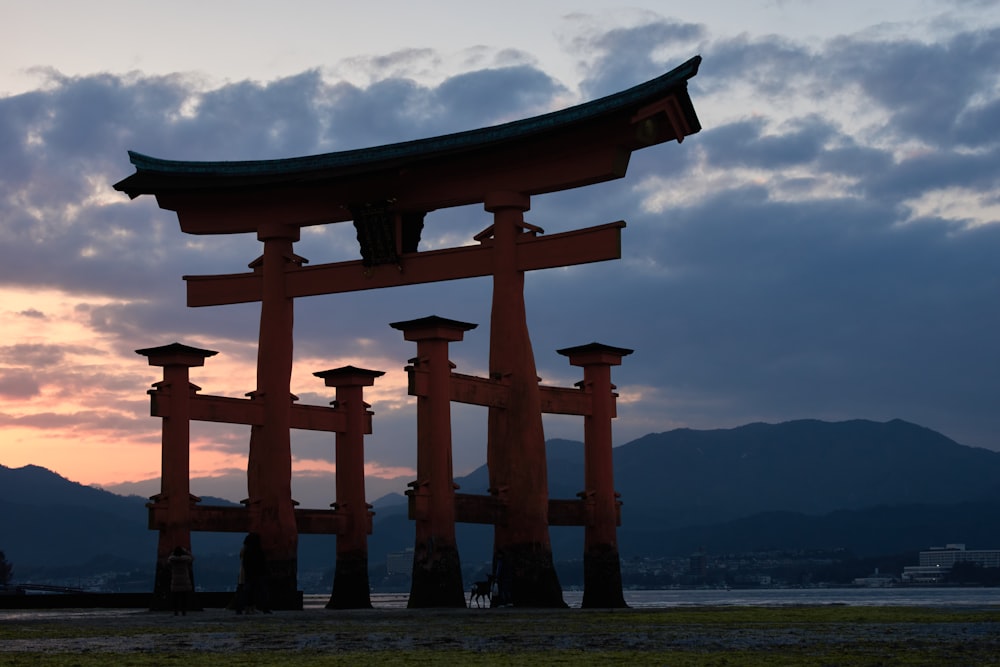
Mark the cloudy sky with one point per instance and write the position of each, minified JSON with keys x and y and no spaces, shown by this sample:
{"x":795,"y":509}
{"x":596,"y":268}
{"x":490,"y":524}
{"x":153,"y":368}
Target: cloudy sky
{"x":827,"y":247}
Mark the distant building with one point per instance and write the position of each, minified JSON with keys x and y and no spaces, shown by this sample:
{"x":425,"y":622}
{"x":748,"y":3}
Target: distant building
{"x":936,"y":563}
{"x":698,"y":564}
{"x":875,"y":580}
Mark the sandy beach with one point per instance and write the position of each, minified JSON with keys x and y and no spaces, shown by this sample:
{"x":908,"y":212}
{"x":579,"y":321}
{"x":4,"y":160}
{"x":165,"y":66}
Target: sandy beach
{"x":669,"y":636}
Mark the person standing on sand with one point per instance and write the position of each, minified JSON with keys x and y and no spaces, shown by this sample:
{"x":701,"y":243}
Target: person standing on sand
{"x":181,"y":578}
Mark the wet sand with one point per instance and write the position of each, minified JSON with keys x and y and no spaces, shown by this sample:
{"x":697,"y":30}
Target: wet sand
{"x":954,"y":637}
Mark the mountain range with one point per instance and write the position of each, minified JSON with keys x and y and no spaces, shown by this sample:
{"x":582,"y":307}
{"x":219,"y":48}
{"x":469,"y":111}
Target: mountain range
{"x":870,"y":487}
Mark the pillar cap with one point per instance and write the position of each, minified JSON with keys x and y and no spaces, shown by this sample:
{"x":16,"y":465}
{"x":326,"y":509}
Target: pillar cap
{"x":349,"y":376}
{"x":501,"y":199}
{"x":176,"y":354}
{"x":432,"y":327}
{"x":595,"y":354}
{"x":277,"y":230}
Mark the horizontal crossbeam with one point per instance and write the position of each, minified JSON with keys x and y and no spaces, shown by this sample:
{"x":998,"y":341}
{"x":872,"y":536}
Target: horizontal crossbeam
{"x":473,"y":390}
{"x":580,"y":246}
{"x":490,"y":510}
{"x":229,"y":410}
{"x":223,"y":519}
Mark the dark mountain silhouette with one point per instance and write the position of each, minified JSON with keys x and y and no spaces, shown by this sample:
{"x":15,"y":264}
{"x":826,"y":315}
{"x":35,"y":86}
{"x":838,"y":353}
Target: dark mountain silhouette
{"x":48,"y":520}
{"x":687,"y":477}
{"x":45,"y":519}
{"x":38,"y":486}
{"x":869,"y":487}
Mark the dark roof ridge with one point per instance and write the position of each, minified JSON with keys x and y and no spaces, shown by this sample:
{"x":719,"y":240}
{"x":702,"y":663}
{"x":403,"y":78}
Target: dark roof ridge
{"x":458,"y":141}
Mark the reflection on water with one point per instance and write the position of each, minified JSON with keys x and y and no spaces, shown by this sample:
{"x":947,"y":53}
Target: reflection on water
{"x":908,"y":597}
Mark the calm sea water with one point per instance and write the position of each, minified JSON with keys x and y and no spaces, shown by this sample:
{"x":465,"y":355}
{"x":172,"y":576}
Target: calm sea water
{"x":915,"y":597}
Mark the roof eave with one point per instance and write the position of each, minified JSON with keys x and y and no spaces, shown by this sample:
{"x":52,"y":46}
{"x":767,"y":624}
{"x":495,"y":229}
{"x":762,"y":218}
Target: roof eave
{"x":158,"y":176}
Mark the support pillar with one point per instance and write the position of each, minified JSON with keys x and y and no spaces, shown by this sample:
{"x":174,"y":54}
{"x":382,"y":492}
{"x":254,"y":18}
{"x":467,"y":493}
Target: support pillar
{"x":350,"y":580}
{"x":437,"y":571}
{"x":175,"y":477}
{"x":269,"y":469}
{"x":602,"y":577}
{"x":516,"y":441}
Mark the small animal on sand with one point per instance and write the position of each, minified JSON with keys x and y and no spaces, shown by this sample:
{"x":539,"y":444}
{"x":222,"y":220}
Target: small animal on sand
{"x":482,"y":590}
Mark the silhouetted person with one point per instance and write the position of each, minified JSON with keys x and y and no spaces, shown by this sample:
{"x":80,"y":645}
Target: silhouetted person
{"x":181,"y":578}
{"x":253,"y":568}
{"x":503,"y":576}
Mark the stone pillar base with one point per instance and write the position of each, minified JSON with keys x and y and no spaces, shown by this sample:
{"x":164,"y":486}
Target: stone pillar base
{"x":602,"y":578}
{"x":529,"y":575}
{"x":282,"y":592}
{"x":437,"y":579}
{"x":160,"y":600}
{"x":351,"y":589}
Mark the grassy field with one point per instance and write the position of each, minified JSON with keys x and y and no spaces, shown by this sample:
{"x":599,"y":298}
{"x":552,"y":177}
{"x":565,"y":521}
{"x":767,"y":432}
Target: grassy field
{"x":828,"y":635}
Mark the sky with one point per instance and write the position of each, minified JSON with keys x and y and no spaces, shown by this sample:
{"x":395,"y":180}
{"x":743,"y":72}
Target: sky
{"x":825,"y":248}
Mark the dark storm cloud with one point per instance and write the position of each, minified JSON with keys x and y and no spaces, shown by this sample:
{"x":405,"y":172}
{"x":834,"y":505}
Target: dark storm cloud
{"x":932,"y":91}
{"x":775,"y":310}
{"x":624,"y":57}
{"x":944,"y":168}
{"x":18,"y":384}
{"x":108,"y":422}
{"x":745,"y":144}
{"x":239,"y":121}
{"x":35,"y":355}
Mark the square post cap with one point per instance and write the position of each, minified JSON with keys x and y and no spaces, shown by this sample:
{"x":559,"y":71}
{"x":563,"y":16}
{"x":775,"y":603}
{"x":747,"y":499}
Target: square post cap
{"x":349,"y":376}
{"x":595,"y":354}
{"x":176,"y":354}
{"x":433,"y":327}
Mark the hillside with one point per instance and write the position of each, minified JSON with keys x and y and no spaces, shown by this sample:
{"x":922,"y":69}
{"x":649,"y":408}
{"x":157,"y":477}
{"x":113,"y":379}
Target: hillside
{"x":687,"y":477}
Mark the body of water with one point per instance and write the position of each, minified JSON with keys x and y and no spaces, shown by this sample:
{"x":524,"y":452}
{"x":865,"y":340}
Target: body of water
{"x":763,"y":597}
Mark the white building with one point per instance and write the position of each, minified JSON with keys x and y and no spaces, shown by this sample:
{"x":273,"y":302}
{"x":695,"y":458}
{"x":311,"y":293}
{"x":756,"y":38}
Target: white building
{"x":936,"y":563}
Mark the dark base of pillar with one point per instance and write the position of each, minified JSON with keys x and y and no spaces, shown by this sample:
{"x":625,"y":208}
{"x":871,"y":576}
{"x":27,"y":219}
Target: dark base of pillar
{"x":602,"y":578}
{"x":160,"y":600}
{"x":528,"y":578}
{"x":282,"y":585}
{"x":351,"y":589}
{"x":436,"y":579}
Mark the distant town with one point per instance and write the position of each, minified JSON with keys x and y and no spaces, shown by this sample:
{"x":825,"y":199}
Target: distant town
{"x":948,"y":565}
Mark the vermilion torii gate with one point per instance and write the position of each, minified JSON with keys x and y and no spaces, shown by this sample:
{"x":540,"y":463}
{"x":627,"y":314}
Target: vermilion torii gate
{"x":387,"y":191}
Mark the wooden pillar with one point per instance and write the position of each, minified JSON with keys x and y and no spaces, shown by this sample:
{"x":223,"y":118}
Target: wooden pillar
{"x":269,"y":469}
{"x":437,"y":571}
{"x":516,"y":440}
{"x":350,"y":580}
{"x":175,"y":498}
{"x":602,"y":578}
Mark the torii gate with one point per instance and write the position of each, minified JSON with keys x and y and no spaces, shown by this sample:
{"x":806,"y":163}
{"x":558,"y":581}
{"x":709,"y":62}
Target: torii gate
{"x":387,"y":191}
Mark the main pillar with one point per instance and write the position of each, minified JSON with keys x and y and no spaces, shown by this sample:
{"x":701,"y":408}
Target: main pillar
{"x":269,"y":469}
{"x":175,"y":470}
{"x":516,"y":441}
{"x":437,"y":571}
{"x":350,"y":580}
{"x":602,"y":576}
